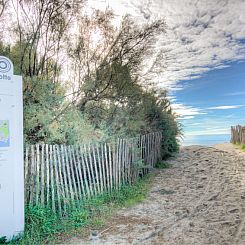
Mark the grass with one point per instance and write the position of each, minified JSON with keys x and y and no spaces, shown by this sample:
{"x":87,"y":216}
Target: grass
{"x":162,"y":165}
{"x":240,"y":146}
{"x":45,"y":227}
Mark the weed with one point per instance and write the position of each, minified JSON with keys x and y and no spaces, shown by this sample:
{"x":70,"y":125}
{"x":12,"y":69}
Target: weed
{"x":240,"y":146}
{"x":3,"y":240}
{"x":162,"y":165}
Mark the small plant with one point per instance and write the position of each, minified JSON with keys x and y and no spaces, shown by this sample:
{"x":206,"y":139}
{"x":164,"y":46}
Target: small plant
{"x":138,"y":164}
{"x":3,"y":240}
{"x":162,"y":165}
{"x":240,"y":146}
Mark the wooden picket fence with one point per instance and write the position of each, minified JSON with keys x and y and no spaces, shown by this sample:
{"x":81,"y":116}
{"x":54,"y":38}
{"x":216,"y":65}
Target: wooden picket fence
{"x":238,"y":134}
{"x":59,"y":176}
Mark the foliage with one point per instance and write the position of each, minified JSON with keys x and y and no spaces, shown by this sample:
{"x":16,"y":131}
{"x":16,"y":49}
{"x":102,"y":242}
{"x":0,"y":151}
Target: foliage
{"x":43,"y":101}
{"x":159,"y":116}
{"x":241,"y":146}
{"x":40,"y":106}
{"x":162,"y":165}
{"x":107,"y":89}
{"x":3,"y":240}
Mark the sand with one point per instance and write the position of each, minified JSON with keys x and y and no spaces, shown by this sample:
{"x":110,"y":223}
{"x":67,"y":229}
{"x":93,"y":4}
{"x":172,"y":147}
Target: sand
{"x":199,"y":200}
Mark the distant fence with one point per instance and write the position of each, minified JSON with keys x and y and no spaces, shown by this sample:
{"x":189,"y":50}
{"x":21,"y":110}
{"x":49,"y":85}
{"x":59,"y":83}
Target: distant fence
{"x":238,"y":134}
{"x":59,"y":176}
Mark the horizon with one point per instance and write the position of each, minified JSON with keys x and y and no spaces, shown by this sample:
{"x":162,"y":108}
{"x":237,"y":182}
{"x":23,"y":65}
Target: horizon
{"x":216,"y":103}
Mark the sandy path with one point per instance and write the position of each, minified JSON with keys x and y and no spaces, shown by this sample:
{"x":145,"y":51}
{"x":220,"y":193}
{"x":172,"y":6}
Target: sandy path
{"x":200,"y":200}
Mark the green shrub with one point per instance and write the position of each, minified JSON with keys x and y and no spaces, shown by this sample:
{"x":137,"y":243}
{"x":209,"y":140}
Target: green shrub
{"x":162,"y":165}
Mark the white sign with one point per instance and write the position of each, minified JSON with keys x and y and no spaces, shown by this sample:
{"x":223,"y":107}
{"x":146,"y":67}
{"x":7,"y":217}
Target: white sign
{"x":11,"y":152}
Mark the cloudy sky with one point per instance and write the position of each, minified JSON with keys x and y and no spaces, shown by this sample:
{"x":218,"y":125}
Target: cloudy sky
{"x":204,"y":54}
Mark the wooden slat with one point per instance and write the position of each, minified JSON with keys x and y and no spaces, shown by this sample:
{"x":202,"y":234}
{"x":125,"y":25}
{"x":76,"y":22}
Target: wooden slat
{"x":79,"y":169}
{"x":52,"y":177}
{"x":68,"y":194}
{"x":61,"y":178}
{"x":129,"y":161}
{"x":106,"y":155}
{"x":94,"y":162}
{"x":100,"y":167}
{"x":42,"y":174}
{"x":115,"y":163}
{"x":57,"y":179}
{"x":47,"y":175}
{"x":86,"y":178}
{"x":133,"y":161}
{"x":120,"y":153}
{"x":32,"y":173}
{"x":123,"y":162}
{"x":67,"y":165}
{"x":76,"y":174}
{"x":99,"y":149}
{"x":37,"y":184}
{"x":89,"y":171}
{"x":27,"y":175}
{"x":71,"y":166}
{"x":110,"y":166}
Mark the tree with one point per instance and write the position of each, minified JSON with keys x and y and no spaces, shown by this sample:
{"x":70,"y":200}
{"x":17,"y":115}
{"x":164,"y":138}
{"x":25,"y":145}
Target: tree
{"x":106,"y":92}
{"x":101,"y":50}
{"x":3,"y":4}
{"x":41,"y":28}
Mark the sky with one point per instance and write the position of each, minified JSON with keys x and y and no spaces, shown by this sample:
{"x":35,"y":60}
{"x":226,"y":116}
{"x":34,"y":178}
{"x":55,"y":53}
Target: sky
{"x":204,"y":56}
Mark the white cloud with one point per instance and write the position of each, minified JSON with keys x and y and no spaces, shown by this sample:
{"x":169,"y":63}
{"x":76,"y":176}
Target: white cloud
{"x":187,"y":117}
{"x":186,"y":112}
{"x":201,"y":35}
{"x":209,"y":131}
{"x":235,"y":93}
{"x":194,"y":124}
{"x":211,"y":125}
{"x":171,"y":98}
{"x":225,"y":107}
{"x":214,"y":131}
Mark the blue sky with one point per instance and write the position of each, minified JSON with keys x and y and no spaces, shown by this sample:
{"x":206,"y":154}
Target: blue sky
{"x":213,"y":102}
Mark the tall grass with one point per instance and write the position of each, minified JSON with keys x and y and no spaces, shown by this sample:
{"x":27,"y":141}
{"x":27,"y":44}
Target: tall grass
{"x":44,"y":226}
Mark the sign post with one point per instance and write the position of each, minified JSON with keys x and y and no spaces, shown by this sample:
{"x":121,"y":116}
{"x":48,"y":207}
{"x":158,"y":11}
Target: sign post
{"x":11,"y":152}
